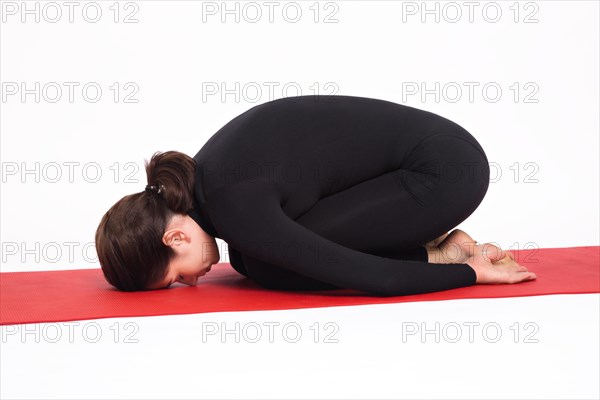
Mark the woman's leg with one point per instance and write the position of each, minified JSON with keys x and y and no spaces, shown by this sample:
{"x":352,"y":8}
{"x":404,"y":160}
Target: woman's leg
{"x":443,"y":180}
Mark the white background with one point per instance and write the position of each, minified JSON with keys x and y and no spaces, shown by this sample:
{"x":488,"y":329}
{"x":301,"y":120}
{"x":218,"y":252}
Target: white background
{"x":544,"y":154}
{"x":542,"y":141}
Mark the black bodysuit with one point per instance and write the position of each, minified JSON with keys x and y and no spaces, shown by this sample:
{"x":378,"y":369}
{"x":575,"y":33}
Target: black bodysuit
{"x":324,"y":192}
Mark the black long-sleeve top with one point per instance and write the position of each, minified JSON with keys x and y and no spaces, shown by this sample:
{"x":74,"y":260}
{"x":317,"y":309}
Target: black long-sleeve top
{"x":269,"y":165}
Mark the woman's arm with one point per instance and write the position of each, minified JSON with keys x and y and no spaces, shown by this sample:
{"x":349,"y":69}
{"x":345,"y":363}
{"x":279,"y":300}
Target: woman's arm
{"x":248,"y":216}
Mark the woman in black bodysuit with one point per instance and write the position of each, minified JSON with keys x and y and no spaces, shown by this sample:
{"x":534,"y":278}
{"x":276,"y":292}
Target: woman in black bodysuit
{"x":313,"y":193}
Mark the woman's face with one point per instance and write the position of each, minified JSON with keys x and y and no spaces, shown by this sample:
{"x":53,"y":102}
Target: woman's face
{"x":195,"y":252}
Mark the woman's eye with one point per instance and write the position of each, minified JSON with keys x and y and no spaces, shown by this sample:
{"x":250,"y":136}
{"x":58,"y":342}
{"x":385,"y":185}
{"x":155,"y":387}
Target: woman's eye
{"x":181,"y":277}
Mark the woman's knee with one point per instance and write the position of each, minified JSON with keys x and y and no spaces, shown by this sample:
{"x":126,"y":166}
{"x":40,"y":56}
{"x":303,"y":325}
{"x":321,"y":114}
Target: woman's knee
{"x":455,"y":163}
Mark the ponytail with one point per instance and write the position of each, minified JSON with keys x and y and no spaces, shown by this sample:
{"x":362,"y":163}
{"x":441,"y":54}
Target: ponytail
{"x":173,"y":173}
{"x":129,"y":237}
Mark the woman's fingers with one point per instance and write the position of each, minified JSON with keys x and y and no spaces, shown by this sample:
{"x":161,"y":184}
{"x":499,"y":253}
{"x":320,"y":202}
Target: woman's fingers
{"x":525,"y":276}
{"x":515,"y":271}
{"x":492,"y":265}
{"x":532,"y":275}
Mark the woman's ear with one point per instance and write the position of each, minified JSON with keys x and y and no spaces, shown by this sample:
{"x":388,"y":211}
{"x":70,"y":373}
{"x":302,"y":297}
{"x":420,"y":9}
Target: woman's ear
{"x":174,"y":237}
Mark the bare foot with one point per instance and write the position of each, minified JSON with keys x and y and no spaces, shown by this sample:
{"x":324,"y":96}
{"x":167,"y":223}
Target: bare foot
{"x":453,"y":248}
{"x":436,"y":242}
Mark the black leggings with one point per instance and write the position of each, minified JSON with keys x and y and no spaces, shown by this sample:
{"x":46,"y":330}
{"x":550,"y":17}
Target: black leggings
{"x":441,"y":181}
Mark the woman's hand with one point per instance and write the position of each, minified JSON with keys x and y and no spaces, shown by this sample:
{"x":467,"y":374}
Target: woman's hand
{"x":494,"y":265}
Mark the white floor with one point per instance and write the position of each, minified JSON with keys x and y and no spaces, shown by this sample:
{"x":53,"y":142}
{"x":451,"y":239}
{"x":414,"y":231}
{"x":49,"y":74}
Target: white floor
{"x":527,"y":347}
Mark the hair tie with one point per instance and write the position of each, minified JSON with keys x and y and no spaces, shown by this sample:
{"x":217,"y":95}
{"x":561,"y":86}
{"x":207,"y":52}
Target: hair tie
{"x":155,"y":189}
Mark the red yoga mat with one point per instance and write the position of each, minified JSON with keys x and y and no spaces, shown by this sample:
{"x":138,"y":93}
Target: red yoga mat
{"x":68,"y":295}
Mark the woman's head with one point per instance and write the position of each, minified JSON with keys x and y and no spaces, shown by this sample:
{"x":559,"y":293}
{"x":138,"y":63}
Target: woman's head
{"x":146,"y":240}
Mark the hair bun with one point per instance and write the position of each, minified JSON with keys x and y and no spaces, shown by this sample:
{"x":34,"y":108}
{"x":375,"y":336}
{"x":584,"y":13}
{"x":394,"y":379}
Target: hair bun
{"x":155,"y":189}
{"x":176,"y":171}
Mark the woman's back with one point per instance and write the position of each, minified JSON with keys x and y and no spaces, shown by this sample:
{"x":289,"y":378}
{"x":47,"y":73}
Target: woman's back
{"x":311,"y":147}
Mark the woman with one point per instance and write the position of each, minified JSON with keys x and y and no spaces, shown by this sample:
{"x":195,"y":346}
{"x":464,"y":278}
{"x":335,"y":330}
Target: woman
{"x":313,"y":193}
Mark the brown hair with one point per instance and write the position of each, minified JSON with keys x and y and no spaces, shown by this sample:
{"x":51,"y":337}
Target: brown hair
{"x":129,"y":236}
